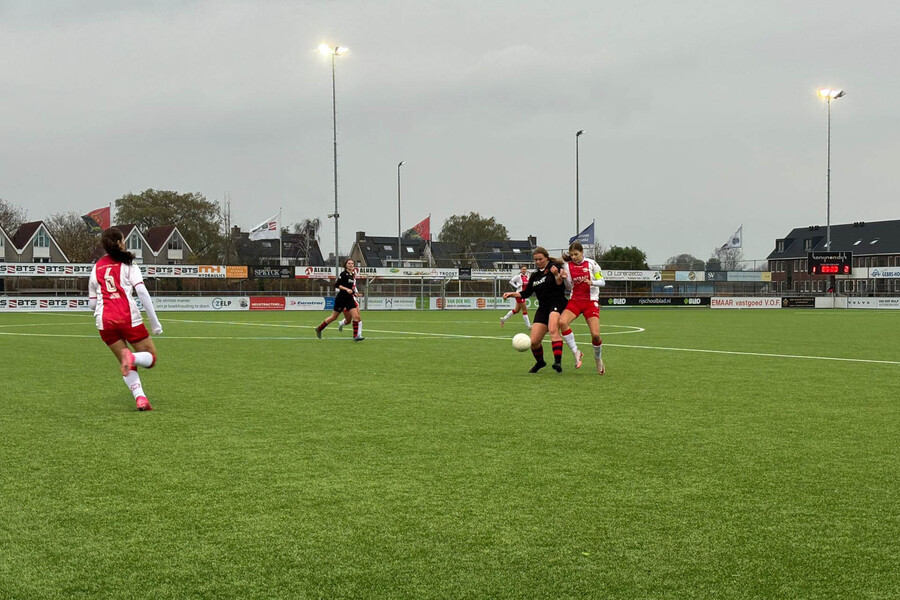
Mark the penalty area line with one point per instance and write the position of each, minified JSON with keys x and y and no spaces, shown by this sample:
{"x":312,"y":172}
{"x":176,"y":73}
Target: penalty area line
{"x":765,"y":354}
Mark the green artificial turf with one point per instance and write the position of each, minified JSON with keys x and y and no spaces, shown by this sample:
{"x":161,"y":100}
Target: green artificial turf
{"x":425,"y":462}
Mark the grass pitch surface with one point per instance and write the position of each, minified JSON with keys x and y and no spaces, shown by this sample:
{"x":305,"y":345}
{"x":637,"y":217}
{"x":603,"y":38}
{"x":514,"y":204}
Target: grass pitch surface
{"x":724,"y":454}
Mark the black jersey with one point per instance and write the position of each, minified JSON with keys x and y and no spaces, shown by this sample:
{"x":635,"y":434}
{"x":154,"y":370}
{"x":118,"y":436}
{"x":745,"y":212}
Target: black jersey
{"x":347,"y":280}
{"x":542,"y":284}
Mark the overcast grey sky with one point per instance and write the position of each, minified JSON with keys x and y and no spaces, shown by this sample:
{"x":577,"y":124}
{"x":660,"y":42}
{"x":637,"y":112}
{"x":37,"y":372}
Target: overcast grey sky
{"x":700,"y":116}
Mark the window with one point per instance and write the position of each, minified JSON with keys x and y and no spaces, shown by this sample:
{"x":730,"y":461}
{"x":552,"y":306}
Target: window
{"x":779,"y":246}
{"x":495,"y":250}
{"x":410,"y":250}
{"x":807,"y":245}
{"x":174,"y":243}
{"x":134,"y":243}
{"x":517,"y":250}
{"x":388,"y":248}
{"x":857,"y":242}
{"x":1,"y":241}
{"x":42,"y":240}
{"x":873,"y":242}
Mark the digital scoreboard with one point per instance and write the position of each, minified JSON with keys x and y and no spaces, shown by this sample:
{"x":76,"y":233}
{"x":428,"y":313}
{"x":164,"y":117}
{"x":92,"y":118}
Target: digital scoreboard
{"x":830,"y":263}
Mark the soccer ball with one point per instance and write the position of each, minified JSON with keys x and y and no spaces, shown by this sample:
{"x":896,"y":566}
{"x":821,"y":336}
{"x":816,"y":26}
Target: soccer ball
{"x":521,"y":342}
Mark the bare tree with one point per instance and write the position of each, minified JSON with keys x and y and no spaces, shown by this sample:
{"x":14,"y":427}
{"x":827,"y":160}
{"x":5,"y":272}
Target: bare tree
{"x":731,"y":259}
{"x":308,"y":230}
{"x":11,"y":216}
{"x":73,"y":237}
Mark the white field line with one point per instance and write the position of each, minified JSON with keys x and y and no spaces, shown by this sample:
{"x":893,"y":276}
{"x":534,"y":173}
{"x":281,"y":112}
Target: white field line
{"x":766,"y":354}
{"x":404,"y":334}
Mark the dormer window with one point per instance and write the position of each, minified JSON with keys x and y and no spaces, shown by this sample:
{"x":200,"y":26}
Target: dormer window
{"x":807,"y":245}
{"x":779,"y":246}
{"x":41,"y":240}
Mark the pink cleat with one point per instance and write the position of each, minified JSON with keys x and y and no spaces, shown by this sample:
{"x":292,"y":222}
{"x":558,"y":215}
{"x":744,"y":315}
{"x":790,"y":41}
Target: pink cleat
{"x":578,"y":358}
{"x":142,"y":403}
{"x":600,"y":368}
{"x":127,"y":361}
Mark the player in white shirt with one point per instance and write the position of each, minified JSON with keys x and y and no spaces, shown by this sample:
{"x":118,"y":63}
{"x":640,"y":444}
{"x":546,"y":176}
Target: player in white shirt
{"x":518,"y":282}
{"x":584,"y":277}
{"x":113,"y":279}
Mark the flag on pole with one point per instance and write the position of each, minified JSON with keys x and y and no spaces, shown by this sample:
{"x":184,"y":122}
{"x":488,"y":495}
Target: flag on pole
{"x":735,"y":240}
{"x":97,"y":220}
{"x":267,"y":230}
{"x":586,"y":237}
{"x":421,"y":230}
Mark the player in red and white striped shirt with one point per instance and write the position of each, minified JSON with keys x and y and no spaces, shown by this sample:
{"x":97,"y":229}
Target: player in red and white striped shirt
{"x":584,"y":277}
{"x":116,"y":313}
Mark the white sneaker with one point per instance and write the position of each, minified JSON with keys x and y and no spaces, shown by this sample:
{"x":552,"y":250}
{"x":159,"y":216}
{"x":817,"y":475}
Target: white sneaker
{"x":340,"y":326}
{"x":578,"y":357}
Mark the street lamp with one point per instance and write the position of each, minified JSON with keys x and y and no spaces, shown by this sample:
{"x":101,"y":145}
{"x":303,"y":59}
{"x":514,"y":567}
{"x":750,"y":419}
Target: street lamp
{"x":828,"y":94}
{"x":399,"y":248}
{"x":577,"y":178}
{"x":334,"y":52}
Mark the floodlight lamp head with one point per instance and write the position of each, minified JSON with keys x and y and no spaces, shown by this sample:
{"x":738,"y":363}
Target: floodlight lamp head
{"x":830,"y":94}
{"x":327,"y":50}
{"x":401,"y":163}
{"x":579,"y":132}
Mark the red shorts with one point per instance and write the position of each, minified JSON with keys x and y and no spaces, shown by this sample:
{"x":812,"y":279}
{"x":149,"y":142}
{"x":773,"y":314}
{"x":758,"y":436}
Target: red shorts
{"x":520,"y":301}
{"x":114,"y":333}
{"x":588,"y":308}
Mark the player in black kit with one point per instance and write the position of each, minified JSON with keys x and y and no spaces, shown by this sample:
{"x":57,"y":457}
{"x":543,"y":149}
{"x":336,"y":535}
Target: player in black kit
{"x":345,"y":300}
{"x":548,"y":286}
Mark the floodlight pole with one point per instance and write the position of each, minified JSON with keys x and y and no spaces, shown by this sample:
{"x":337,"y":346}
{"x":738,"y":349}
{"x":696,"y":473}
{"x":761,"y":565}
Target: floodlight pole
{"x":399,"y":248}
{"x":829,"y":95}
{"x":577,"y":184}
{"x":334,"y":51}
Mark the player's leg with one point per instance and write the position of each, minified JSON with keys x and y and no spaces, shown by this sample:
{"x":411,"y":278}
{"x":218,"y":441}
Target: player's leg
{"x":567,"y":335}
{"x":144,"y":353}
{"x":556,"y":341}
{"x":538,"y":331}
{"x":129,"y":373}
{"x":344,"y":321}
{"x":334,"y":315}
{"x":596,"y":342}
{"x":509,"y":313}
{"x":357,"y":324}
{"x":525,"y":315}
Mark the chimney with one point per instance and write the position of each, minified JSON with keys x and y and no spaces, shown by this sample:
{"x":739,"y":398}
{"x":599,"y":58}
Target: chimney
{"x":532,"y":240}
{"x":360,"y":236}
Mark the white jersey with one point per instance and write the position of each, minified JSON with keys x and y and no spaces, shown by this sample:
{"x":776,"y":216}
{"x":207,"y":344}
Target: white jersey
{"x":112,"y":285}
{"x":519,"y":282}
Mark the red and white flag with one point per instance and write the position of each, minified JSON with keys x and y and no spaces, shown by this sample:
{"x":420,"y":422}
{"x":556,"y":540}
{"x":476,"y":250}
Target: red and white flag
{"x":267,"y":230}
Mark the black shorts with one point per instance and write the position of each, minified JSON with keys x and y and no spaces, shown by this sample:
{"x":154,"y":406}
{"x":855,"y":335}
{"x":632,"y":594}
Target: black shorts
{"x":344,"y":302}
{"x":543,"y":312}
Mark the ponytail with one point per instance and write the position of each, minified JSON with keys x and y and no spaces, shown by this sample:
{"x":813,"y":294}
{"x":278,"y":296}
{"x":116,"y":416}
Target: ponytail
{"x":110,"y":241}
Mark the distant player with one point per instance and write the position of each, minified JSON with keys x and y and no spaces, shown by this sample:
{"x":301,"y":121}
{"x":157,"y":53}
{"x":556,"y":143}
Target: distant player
{"x":548,"y":285}
{"x":518,"y":282}
{"x":584,"y":278}
{"x":345,"y":301}
{"x":116,"y":313}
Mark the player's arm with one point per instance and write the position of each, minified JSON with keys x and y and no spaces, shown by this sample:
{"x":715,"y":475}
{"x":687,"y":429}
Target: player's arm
{"x":515,"y":282}
{"x":597,"y":279}
{"x":144,"y":296}
{"x":567,"y":277}
{"x":93,"y":289}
